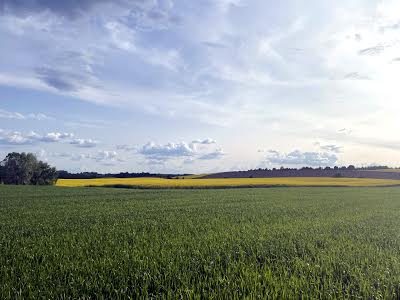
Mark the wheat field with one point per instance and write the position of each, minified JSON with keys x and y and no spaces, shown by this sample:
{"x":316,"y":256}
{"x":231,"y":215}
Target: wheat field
{"x":271,"y":243}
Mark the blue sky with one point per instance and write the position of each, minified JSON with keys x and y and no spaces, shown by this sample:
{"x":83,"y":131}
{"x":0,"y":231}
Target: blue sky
{"x":200,"y":86}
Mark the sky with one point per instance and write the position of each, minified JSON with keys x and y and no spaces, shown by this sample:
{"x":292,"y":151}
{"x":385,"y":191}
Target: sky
{"x":200,"y":86}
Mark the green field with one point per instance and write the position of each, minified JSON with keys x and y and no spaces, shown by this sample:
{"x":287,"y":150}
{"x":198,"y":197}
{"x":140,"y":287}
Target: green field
{"x":228,"y":243}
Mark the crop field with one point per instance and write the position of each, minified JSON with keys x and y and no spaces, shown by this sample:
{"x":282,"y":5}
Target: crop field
{"x":202,"y":243}
{"x":226,"y":182}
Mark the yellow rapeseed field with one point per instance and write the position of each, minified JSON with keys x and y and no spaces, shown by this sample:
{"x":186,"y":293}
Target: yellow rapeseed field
{"x":226,"y":182}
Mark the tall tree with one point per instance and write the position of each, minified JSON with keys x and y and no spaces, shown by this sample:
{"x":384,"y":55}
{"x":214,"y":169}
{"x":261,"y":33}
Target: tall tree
{"x":24,"y":168}
{"x":44,"y":174}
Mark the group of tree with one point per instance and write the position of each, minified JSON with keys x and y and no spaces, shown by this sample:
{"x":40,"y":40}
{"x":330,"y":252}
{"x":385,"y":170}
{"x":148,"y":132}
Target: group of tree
{"x":342,"y":168}
{"x":91,"y":175}
{"x":25,"y":168}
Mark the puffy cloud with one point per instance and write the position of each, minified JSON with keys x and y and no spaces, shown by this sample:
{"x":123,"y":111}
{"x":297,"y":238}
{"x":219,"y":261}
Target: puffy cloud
{"x":182,"y":150}
{"x":84,"y":143}
{"x":105,"y":155}
{"x":299,"y":158}
{"x":18,"y":138}
{"x":55,"y":137}
{"x":156,"y":151}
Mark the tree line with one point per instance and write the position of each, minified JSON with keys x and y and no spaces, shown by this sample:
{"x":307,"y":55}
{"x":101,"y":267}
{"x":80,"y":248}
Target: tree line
{"x":342,"y":168}
{"x":25,"y":169}
{"x":92,"y":175}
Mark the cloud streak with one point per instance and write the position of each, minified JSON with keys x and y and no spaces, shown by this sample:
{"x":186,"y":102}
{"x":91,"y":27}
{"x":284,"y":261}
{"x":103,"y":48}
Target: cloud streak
{"x":19,"y":116}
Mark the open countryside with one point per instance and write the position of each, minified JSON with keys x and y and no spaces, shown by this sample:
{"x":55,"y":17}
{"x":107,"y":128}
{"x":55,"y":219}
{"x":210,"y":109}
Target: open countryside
{"x":215,"y":149}
{"x":198,"y":236}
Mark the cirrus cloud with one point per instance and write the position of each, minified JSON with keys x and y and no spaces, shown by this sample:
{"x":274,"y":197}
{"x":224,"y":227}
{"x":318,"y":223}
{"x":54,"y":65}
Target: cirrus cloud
{"x":5,"y":114}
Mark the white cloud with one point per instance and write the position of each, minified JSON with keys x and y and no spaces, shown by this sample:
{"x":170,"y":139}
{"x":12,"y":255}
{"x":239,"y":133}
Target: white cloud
{"x":20,"y":25}
{"x":259,"y":68}
{"x":216,"y":154}
{"x":84,"y":143}
{"x":11,"y":115}
{"x":182,"y":150}
{"x":127,"y":147}
{"x":122,"y":36}
{"x":39,"y":117}
{"x":157,"y":151}
{"x":18,"y":138}
{"x":299,"y":158}
{"x":19,"y":116}
{"x":207,"y":141}
{"x":55,"y":137}
{"x":331,"y":148}
{"x":102,"y":157}
{"x":106,"y":155}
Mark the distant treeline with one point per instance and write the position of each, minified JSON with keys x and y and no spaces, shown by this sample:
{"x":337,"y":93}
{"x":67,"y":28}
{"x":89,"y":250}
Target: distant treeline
{"x":92,"y":175}
{"x":347,"y":172}
{"x":343,"y":168}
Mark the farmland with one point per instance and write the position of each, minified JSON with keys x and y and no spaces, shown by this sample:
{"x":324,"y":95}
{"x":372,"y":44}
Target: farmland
{"x":321,"y":242}
{"x":225,"y":182}
{"x":388,"y":170}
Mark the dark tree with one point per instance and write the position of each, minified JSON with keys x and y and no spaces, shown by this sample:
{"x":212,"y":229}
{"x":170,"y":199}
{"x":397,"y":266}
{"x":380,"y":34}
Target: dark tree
{"x":44,"y":174}
{"x":24,"y":168}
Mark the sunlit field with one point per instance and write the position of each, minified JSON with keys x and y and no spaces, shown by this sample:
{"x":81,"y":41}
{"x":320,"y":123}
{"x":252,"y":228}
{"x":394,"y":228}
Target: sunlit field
{"x":388,"y":170}
{"x":282,"y":243}
{"x":226,"y":182}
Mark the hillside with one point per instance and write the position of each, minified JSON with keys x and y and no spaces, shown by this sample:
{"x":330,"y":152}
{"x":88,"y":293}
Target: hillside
{"x":260,"y":173}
